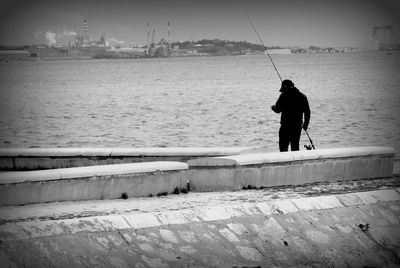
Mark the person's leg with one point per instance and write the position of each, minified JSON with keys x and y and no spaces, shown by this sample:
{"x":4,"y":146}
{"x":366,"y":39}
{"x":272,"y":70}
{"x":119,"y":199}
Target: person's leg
{"x":283,"y":139}
{"x":295,"y":134}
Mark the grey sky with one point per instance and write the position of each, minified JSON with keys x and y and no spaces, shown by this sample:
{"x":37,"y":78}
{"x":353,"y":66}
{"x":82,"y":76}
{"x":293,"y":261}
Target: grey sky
{"x":280,"y":22}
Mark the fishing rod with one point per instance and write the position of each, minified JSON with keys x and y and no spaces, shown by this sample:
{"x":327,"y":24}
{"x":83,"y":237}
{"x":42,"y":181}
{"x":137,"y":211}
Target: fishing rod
{"x":277,"y":72}
{"x":265,"y":48}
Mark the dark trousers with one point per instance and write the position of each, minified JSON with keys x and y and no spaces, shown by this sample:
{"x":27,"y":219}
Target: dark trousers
{"x":289,"y":135}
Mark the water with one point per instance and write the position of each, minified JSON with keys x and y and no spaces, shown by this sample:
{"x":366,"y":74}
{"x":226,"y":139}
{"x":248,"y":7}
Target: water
{"x":198,"y":101}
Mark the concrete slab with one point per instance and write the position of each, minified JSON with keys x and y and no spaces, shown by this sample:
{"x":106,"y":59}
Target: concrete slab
{"x":305,"y":155}
{"x":350,"y":200}
{"x":389,"y":195}
{"x":92,"y":171}
{"x":315,"y":203}
{"x":355,"y":151}
{"x":290,"y":168}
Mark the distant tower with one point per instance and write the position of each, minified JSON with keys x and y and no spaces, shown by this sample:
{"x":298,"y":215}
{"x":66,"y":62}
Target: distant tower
{"x":148,"y":35}
{"x":85,"y":31}
{"x":169,"y":33}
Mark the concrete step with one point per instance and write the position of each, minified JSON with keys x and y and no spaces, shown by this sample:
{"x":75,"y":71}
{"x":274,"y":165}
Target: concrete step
{"x":94,"y":182}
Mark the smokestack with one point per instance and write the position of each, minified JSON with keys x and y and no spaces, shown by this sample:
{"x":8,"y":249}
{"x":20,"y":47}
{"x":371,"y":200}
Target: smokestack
{"x":169,"y":33}
{"x":85,"y":30}
{"x":148,"y":34}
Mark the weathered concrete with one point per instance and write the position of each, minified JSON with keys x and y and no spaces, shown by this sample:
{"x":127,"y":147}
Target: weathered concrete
{"x":345,"y":230}
{"x":289,"y":168}
{"x":95,"y":182}
{"x":52,"y":158}
{"x":205,"y":174}
{"x":396,"y":167}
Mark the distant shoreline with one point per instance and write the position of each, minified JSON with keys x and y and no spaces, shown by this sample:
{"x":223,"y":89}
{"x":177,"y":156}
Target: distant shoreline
{"x":164,"y":49}
{"x":79,"y":58}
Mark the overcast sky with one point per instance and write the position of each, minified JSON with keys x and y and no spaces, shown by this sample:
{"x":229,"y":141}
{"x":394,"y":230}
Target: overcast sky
{"x":279,"y":22}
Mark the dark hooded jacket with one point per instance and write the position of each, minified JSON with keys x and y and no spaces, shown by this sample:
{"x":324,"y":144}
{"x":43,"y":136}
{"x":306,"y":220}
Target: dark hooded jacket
{"x":293,"y":104}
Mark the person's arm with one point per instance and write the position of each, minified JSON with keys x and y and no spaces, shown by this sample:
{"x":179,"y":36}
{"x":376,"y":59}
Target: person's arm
{"x":277,"y":108}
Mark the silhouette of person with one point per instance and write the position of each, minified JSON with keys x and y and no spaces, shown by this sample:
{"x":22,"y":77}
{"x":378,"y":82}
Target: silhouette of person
{"x":292,"y":104}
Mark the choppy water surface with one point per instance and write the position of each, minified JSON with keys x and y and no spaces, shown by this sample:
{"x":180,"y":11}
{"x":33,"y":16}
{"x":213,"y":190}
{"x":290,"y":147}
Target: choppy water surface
{"x":198,"y":101}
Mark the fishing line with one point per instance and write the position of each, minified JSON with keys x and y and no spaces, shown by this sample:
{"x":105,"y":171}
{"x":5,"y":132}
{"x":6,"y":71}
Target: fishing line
{"x":265,"y":48}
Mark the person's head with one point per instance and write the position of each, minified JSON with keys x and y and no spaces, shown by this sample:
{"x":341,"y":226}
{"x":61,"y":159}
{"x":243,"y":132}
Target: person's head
{"x":286,"y":84}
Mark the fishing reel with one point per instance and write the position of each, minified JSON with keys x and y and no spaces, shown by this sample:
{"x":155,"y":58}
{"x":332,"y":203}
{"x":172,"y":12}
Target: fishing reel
{"x":308,"y":147}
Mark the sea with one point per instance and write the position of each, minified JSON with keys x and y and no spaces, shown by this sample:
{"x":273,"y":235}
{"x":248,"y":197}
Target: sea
{"x":199,"y":101}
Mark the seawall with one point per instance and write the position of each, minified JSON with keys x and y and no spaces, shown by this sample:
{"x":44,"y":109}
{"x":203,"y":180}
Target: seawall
{"x":325,"y":208}
{"x":222,"y":173}
{"x":234,"y":229}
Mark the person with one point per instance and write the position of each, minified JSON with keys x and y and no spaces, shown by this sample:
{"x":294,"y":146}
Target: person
{"x":292,"y":104}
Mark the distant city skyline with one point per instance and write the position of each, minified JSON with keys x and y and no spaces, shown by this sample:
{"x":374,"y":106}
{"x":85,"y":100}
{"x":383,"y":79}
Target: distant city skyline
{"x":280,"y":22}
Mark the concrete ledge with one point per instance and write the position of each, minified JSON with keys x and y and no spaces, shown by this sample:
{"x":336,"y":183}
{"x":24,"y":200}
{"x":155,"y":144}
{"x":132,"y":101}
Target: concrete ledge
{"x":96,"y":182}
{"x":290,"y":168}
{"x":51,"y":158}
